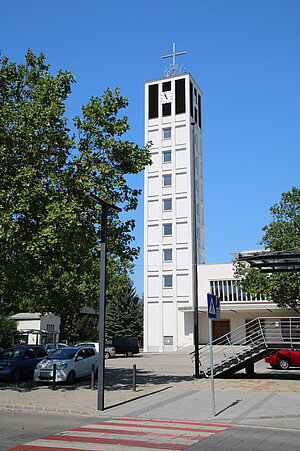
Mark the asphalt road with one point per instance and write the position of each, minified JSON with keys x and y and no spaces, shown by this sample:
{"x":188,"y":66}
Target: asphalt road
{"x":17,"y":428}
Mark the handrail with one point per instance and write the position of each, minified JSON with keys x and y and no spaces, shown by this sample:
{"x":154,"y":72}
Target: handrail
{"x":242,"y":343}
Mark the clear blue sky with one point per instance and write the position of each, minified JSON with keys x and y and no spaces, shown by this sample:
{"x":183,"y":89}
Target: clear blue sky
{"x":244,"y":55}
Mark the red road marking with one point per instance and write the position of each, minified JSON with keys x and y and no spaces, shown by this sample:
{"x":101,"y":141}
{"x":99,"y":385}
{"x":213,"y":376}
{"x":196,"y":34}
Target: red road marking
{"x":116,"y":441}
{"x":43,"y":448}
{"x":175,"y":422}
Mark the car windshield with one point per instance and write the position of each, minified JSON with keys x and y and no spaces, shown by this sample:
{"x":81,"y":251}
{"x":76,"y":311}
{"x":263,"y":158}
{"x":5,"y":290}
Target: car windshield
{"x":11,"y":354}
{"x":63,"y":353}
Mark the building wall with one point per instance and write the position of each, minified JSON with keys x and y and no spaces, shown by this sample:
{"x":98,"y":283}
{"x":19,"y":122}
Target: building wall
{"x":171,"y":237}
{"x":236,"y":312}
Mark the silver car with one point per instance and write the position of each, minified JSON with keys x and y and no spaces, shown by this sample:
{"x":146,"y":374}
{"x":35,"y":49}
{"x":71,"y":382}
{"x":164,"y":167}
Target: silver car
{"x":71,"y":363}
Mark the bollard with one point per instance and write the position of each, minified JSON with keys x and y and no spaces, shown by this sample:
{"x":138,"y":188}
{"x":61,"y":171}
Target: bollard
{"x":134,"y":378}
{"x":54,"y":376}
{"x":93,"y":378}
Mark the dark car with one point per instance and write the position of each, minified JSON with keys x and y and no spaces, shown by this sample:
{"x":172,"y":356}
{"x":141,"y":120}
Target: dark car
{"x":283,"y":359}
{"x":20,"y":361}
{"x":124,"y":345}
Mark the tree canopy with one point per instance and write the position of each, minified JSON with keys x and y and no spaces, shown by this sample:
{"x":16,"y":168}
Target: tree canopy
{"x":283,"y":233}
{"x":49,"y":230}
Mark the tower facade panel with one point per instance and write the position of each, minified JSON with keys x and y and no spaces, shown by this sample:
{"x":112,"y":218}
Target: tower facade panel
{"x":174,"y":238}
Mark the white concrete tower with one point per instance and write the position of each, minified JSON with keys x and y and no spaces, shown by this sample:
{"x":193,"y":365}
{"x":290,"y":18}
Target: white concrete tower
{"x":174,"y":235}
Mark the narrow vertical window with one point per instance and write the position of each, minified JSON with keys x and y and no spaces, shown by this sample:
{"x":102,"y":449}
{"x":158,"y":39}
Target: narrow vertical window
{"x":180,"y":96}
{"x":199,"y":112}
{"x":167,"y":133}
{"x":167,"y":229}
{"x":191,"y":99}
{"x":167,"y":255}
{"x":167,"y":204}
{"x":167,"y":180}
{"x":153,"y":101}
{"x":166,"y":109}
{"x":167,"y":156}
{"x":168,"y":281}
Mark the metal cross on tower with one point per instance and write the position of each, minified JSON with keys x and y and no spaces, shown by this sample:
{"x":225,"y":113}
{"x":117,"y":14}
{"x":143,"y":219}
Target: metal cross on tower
{"x":174,"y":69}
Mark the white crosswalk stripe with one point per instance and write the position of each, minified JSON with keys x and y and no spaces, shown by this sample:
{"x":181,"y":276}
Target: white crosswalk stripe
{"x":135,"y":433}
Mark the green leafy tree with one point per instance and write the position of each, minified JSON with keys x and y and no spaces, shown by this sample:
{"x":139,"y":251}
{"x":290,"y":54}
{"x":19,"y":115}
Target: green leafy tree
{"x":283,"y":233}
{"x":125,"y":314}
{"x":49,"y":230}
{"x":7,"y":329}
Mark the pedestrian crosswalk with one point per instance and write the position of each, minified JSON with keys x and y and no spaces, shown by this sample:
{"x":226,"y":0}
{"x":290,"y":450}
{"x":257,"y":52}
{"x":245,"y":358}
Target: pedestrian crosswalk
{"x":126,"y":433}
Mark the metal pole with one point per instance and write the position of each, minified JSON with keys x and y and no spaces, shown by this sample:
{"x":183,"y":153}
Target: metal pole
{"x":195,"y":271}
{"x":212,"y":384}
{"x":102,"y":308}
{"x":102,"y":298}
{"x":134,"y":378}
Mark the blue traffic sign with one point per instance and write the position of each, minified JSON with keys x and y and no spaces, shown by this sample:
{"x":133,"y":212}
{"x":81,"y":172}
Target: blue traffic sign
{"x":213,"y":306}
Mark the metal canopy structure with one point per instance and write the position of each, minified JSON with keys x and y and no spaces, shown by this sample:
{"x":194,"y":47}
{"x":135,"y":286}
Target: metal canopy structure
{"x":273,"y":262}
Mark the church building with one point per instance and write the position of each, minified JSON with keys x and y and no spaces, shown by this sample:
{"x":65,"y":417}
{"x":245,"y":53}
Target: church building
{"x":176,"y":278}
{"x":174,"y":234}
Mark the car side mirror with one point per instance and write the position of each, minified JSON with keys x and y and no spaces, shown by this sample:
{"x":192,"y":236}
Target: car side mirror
{"x":80,"y":357}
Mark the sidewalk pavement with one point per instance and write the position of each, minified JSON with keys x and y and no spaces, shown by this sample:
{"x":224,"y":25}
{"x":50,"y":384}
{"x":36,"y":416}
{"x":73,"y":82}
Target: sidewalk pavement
{"x":239,"y":401}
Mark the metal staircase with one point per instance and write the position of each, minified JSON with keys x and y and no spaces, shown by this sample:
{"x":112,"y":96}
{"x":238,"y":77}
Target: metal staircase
{"x":247,"y":344}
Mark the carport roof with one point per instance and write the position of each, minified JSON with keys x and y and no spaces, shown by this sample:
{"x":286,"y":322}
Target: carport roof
{"x":271,"y":262}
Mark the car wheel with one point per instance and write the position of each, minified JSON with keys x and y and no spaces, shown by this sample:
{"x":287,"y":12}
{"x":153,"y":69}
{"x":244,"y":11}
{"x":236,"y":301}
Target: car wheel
{"x":107,"y":355}
{"x":71,"y":378}
{"x":129,"y":354}
{"x":283,"y":364}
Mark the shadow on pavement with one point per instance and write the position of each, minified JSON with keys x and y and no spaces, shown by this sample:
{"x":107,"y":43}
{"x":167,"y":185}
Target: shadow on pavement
{"x":115,"y":379}
{"x":262,"y":376}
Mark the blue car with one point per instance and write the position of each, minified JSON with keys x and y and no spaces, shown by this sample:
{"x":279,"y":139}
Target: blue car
{"x":22,"y":359}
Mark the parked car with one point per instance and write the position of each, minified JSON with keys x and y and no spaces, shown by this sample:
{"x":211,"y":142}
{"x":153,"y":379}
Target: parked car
{"x":283,"y":359}
{"x":20,"y":359}
{"x":71,"y":363}
{"x":124,"y":345}
{"x":108,"y":352}
{"x":51,"y":347}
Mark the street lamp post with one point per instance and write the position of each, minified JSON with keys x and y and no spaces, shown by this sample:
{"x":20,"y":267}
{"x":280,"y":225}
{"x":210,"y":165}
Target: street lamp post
{"x":102,"y":298}
{"x":195,"y":263}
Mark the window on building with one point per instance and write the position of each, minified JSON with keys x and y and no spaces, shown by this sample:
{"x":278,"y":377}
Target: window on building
{"x":180,"y":96}
{"x":166,"y":86}
{"x":191,"y":99}
{"x":167,"y":204}
{"x":167,"y":156}
{"x":167,"y":255}
{"x":228,"y":291}
{"x":167,"y":229}
{"x":199,"y":112}
{"x":167,"y":133}
{"x":167,"y":180}
{"x":168,"y":281}
{"x":168,"y":340}
{"x":153,"y":101}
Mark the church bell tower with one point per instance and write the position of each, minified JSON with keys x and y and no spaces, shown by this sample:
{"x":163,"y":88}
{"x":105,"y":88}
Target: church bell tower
{"x":174,"y":234}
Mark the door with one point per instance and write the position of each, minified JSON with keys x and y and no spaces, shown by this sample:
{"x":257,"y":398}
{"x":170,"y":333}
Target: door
{"x":220,"y":328}
{"x":28,"y":363}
